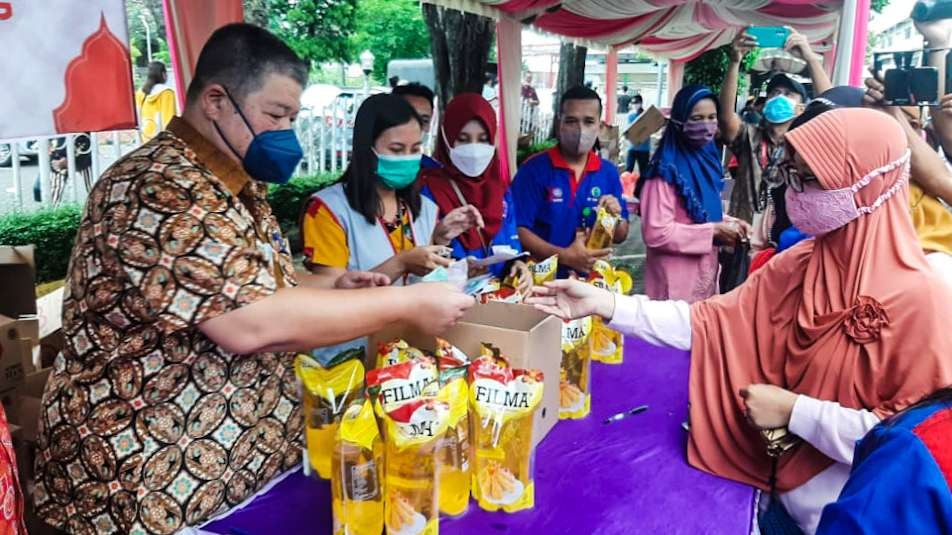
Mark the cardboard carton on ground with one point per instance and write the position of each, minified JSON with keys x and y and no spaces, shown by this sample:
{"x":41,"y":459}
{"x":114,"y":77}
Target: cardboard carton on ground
{"x":641,"y":129}
{"x":42,"y":317}
{"x":529,"y":338}
{"x":16,"y":350}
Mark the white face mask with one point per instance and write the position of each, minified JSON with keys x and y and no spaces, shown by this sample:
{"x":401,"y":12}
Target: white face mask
{"x":471,"y":158}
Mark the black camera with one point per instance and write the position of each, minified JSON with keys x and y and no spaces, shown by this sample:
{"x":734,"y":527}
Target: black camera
{"x":907,"y":84}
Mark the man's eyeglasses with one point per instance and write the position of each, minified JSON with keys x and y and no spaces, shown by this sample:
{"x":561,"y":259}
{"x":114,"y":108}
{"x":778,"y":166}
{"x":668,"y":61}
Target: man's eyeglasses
{"x":794,"y":178}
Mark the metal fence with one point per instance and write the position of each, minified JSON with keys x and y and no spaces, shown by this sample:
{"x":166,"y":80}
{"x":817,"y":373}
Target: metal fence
{"x":325,"y":135}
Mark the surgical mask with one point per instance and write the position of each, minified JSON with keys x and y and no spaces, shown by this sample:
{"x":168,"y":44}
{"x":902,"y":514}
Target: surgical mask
{"x":817,"y":211}
{"x":398,"y":172}
{"x":577,"y":141}
{"x":699,"y":133}
{"x":779,"y":110}
{"x":272,"y":155}
{"x":471,"y":158}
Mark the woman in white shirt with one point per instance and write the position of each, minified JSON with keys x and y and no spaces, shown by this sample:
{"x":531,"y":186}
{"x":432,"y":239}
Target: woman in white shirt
{"x":827,"y":339}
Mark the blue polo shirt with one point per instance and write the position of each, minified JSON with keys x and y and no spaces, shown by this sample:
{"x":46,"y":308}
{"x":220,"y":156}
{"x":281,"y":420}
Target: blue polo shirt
{"x":553,"y":203}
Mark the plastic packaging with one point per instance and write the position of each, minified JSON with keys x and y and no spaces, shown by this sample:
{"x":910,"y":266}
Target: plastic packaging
{"x":327,"y":391}
{"x":575,"y":400}
{"x":357,"y":475}
{"x":397,"y":385}
{"x":411,"y":488}
{"x":607,"y":345}
{"x":503,"y":401}
{"x":453,"y":451}
{"x":396,"y":352}
{"x":603,"y":233}
{"x":544,"y":271}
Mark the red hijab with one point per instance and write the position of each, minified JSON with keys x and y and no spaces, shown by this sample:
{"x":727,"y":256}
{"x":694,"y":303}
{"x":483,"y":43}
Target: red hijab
{"x":485,"y":191}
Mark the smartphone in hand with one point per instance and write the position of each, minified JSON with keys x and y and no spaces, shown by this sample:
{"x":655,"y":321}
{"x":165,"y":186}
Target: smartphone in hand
{"x":769,"y":36}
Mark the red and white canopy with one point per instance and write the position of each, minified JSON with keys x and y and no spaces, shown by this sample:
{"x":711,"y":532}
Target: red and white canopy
{"x":674,"y":29}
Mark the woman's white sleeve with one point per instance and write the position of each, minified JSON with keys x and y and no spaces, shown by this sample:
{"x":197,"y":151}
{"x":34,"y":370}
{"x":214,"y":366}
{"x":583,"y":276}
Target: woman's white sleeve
{"x":662,"y":323}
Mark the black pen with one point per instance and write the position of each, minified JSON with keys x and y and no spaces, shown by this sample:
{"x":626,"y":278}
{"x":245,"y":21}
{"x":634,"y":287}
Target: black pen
{"x":622,"y":415}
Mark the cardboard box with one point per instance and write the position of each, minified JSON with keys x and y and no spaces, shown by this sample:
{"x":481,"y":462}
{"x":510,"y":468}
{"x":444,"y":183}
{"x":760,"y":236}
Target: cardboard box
{"x":16,"y":350}
{"x":650,"y":121}
{"x":609,"y":142}
{"x":43,"y":317}
{"x":528,"y":337}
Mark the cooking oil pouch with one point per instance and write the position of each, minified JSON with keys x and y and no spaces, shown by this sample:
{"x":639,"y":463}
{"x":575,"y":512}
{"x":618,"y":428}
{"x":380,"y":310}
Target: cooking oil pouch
{"x":449,"y":356}
{"x":603,"y":233}
{"x":606,"y":345}
{"x":544,"y":271}
{"x":357,"y":475}
{"x":395,"y":352}
{"x":327,"y":390}
{"x":453,"y":451}
{"x":575,"y":375}
{"x":411,"y":488}
{"x":503,"y":401}
{"x":402,"y":383}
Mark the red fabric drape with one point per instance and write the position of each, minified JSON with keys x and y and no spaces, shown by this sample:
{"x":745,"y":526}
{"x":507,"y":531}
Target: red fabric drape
{"x":188,"y":24}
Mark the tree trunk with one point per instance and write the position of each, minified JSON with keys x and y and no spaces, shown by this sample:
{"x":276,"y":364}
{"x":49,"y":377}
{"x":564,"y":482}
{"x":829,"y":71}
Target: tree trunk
{"x":571,"y":74}
{"x":459,"y":43}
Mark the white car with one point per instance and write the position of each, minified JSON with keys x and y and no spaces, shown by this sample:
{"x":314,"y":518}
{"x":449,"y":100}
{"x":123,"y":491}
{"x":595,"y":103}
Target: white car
{"x":27,"y":149}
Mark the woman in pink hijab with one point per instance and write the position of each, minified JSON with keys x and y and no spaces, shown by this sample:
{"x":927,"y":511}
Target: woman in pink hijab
{"x":827,"y":339}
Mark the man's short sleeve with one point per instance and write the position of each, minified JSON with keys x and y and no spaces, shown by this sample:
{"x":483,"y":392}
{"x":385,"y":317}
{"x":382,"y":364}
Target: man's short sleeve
{"x":527,"y":194}
{"x":325,"y":242}
{"x":189,"y":252}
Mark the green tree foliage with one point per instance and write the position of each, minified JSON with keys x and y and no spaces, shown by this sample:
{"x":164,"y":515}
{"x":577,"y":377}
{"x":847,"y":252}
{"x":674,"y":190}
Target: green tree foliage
{"x":879,"y":5}
{"x":318,"y":30}
{"x":390,"y":29}
{"x":710,"y":68}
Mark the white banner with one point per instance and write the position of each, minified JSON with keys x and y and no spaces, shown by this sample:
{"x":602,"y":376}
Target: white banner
{"x":64,"y":67}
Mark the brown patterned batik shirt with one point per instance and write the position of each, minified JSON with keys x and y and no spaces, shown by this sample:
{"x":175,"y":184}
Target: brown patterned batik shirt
{"x":147,"y":425}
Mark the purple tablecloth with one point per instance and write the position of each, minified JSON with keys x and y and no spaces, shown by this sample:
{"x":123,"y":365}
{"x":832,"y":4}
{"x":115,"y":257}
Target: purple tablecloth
{"x":626,"y":477}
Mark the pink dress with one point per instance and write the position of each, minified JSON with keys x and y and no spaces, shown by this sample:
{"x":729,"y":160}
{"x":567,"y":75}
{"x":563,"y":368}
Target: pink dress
{"x":682,"y":260}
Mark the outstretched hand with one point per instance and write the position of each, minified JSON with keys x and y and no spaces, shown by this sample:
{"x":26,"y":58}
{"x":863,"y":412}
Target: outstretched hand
{"x":570,"y":299}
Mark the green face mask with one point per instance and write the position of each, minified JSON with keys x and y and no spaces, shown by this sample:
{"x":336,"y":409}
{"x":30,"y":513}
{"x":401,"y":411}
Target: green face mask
{"x":398,"y":172}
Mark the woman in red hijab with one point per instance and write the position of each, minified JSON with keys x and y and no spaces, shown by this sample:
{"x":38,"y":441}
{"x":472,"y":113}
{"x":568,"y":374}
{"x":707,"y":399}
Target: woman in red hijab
{"x":466,"y":146}
{"x":826,"y":340}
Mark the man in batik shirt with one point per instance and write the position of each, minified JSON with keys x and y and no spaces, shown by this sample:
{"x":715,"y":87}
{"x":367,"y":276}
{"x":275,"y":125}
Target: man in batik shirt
{"x":175,"y":398}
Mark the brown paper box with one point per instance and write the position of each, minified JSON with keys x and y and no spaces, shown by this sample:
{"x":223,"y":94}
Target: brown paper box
{"x":529,"y":338}
{"x":16,"y":349}
{"x":650,"y":121}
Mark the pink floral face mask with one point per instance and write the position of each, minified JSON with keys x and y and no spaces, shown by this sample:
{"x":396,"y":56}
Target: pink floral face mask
{"x":817,"y":211}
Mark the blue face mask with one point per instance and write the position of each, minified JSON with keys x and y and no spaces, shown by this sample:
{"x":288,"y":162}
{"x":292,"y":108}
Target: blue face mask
{"x":398,"y":172}
{"x":779,"y":110}
{"x":272,"y":156}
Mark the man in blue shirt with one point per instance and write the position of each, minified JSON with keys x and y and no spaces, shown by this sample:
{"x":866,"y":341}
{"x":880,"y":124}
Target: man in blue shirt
{"x":421,"y":98}
{"x":557,"y":192}
{"x":638,"y":153}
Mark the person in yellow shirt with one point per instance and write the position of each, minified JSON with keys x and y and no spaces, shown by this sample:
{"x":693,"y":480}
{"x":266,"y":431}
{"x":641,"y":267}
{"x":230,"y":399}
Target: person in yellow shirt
{"x":375,"y":219}
{"x":155,"y":102}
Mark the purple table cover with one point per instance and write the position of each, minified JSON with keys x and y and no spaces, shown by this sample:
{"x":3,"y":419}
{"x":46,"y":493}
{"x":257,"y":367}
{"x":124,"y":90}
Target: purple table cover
{"x":626,"y":477}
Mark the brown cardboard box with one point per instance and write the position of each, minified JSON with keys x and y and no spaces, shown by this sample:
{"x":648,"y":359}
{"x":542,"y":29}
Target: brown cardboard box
{"x":528,"y":337}
{"x":609,"y":142}
{"x":649,"y":122}
{"x":16,"y":281}
{"x":16,"y":349}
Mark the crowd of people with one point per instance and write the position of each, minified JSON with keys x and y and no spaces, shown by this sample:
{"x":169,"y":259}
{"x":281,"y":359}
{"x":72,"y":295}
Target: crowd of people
{"x":183,"y":307}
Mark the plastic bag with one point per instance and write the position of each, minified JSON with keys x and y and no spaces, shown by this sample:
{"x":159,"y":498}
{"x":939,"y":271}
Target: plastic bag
{"x":544,"y":271}
{"x":607,"y":345}
{"x":396,"y":352}
{"x":453,"y":450}
{"x":414,"y":430}
{"x":575,"y":400}
{"x":603,"y":233}
{"x":357,"y":475}
{"x":327,"y":392}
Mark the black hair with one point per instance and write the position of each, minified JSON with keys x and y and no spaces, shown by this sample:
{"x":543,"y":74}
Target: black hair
{"x":156,"y":75}
{"x":624,"y":88}
{"x":760,"y":101}
{"x":240,"y":56}
{"x":580,"y":93}
{"x":414,"y":89}
{"x":376,"y":114}
{"x":638,"y":98}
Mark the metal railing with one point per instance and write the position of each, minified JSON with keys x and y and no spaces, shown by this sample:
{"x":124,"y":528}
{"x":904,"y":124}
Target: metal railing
{"x":535,"y":122}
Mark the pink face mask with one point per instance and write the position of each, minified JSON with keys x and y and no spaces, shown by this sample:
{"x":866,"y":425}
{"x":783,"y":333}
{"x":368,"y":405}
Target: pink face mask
{"x":817,"y":211}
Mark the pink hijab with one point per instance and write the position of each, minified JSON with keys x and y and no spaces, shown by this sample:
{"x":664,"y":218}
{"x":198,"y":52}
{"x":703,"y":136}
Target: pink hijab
{"x":855,"y":316}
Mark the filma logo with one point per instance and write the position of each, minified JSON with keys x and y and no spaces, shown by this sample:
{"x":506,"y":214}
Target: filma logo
{"x":400,"y":391}
{"x":500,"y":397}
